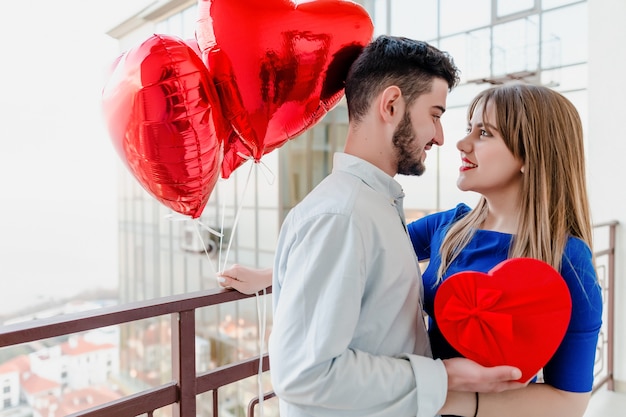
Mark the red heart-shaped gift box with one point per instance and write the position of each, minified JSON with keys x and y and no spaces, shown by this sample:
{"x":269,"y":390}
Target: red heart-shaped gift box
{"x":516,"y":314}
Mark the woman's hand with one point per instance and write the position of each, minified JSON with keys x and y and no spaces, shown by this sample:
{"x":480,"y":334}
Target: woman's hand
{"x":244,"y":279}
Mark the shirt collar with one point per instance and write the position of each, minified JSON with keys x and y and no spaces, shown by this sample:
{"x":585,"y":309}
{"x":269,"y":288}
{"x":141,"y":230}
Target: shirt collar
{"x":370,"y":174}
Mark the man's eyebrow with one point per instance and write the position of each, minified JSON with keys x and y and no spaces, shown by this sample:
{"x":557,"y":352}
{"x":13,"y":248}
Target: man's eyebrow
{"x":441,"y":108}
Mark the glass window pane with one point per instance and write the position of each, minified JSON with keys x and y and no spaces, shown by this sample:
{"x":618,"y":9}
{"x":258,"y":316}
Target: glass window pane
{"x":516,"y":46}
{"x":189,"y":17}
{"x":461,"y":96}
{"x":461,"y":15}
{"x":508,"y":7}
{"x":417,"y":20}
{"x":471,"y":53}
{"x":379,"y":17}
{"x":566,"y":79}
{"x":175,"y":25}
{"x":549,"y":4}
{"x":565,"y":34}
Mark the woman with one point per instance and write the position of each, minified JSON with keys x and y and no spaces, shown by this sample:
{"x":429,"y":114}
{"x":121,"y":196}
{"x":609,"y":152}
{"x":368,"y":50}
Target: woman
{"x":524,"y":153}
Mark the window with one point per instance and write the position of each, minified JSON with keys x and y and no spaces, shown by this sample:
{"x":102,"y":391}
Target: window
{"x":508,"y":7}
{"x":515,"y":46}
{"x":462,"y":15}
{"x":417,"y":20}
{"x":564,"y":44}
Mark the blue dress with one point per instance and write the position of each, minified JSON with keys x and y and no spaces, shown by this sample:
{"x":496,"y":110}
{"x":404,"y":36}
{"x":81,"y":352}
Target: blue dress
{"x":571,"y":367}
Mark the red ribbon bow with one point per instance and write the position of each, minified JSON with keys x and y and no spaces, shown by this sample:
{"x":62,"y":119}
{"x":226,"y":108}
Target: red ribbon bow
{"x":475,"y":319}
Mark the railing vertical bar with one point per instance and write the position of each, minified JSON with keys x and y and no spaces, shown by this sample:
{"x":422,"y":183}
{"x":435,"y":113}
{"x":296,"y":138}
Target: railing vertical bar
{"x":215,"y":404}
{"x":184,"y":361}
{"x":611,"y":305}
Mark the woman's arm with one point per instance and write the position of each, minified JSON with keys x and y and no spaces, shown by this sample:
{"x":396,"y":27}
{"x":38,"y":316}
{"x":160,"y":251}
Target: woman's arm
{"x":537,"y":400}
{"x":244,"y":279}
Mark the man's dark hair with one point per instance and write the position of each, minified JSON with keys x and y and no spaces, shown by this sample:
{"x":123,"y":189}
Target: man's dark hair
{"x":390,"y":60}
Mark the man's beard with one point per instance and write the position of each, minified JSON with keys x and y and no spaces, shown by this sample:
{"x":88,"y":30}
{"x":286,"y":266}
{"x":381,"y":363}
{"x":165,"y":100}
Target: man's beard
{"x":409,"y":160}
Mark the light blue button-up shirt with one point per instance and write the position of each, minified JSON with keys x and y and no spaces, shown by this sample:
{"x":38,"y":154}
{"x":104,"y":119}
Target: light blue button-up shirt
{"x":348,"y":336}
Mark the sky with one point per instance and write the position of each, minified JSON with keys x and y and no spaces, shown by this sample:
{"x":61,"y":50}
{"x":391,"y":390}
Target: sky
{"x":58,"y":167}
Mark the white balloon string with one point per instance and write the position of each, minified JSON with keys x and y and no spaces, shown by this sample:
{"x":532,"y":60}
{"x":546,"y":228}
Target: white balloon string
{"x":267,"y":172}
{"x":197,"y":225}
{"x":269,"y":175}
{"x":261,"y":315}
{"x":222,"y":237}
{"x":236,"y":221}
{"x":178,"y":217}
{"x":210,"y":229}
{"x":262,"y":322}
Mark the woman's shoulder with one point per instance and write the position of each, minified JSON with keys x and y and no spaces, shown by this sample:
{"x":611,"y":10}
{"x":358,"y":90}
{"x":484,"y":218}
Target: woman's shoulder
{"x":576,"y":247}
{"x":429,"y":224}
{"x":444,"y":217}
{"x":451,"y":215}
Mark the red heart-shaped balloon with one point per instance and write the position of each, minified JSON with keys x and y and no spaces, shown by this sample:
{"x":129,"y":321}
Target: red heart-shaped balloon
{"x":516,"y":314}
{"x":278,"y":67}
{"x":163,"y":115}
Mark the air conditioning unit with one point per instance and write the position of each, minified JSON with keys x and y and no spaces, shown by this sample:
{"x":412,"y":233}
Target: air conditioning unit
{"x":197,"y":241}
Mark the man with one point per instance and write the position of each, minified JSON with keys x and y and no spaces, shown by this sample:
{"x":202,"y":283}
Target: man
{"x":348,"y":336}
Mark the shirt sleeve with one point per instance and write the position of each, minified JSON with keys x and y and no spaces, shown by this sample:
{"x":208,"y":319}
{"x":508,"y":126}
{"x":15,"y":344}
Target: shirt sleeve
{"x":316,"y":314}
{"x":571,"y":367}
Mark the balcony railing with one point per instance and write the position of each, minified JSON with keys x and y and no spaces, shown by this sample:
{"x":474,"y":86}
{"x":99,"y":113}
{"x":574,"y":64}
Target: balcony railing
{"x":187,"y":384}
{"x":604,"y":253}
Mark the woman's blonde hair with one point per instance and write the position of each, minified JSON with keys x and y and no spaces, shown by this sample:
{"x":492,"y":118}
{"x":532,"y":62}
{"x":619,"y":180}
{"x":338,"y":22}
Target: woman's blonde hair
{"x":543,"y":129}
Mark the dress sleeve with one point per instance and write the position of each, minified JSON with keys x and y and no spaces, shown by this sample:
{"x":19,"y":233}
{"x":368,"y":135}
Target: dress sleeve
{"x":422,"y":231}
{"x":315,"y":317}
{"x":571,"y":367}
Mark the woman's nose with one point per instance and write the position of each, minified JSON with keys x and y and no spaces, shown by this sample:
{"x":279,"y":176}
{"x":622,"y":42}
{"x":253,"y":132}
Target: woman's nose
{"x":463,"y":144}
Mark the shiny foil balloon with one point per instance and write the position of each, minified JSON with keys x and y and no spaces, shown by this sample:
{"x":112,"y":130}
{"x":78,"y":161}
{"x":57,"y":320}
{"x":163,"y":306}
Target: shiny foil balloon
{"x":278,"y":67}
{"x":163,"y":116}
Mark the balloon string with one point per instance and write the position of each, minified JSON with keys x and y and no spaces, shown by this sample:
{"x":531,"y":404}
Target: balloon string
{"x":222,"y":237}
{"x":269,"y":175}
{"x":261,"y":315}
{"x":262,"y":321}
{"x":210,"y":229}
{"x":236,"y":222}
{"x":197,"y":225}
{"x":177,"y":217}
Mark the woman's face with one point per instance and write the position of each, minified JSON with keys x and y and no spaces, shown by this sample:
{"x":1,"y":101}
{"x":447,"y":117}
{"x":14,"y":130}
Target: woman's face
{"x":488,"y":167}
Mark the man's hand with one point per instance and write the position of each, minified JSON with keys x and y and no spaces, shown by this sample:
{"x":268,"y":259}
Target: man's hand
{"x":466,"y":375}
{"x":245,"y":280}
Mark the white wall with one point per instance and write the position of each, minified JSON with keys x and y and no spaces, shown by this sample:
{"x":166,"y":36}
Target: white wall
{"x":607,"y":144}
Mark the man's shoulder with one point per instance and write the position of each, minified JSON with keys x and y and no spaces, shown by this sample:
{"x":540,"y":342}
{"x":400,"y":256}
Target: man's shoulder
{"x":336,"y":193}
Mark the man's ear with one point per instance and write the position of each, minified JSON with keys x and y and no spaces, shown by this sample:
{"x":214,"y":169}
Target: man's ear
{"x":391,"y":104}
